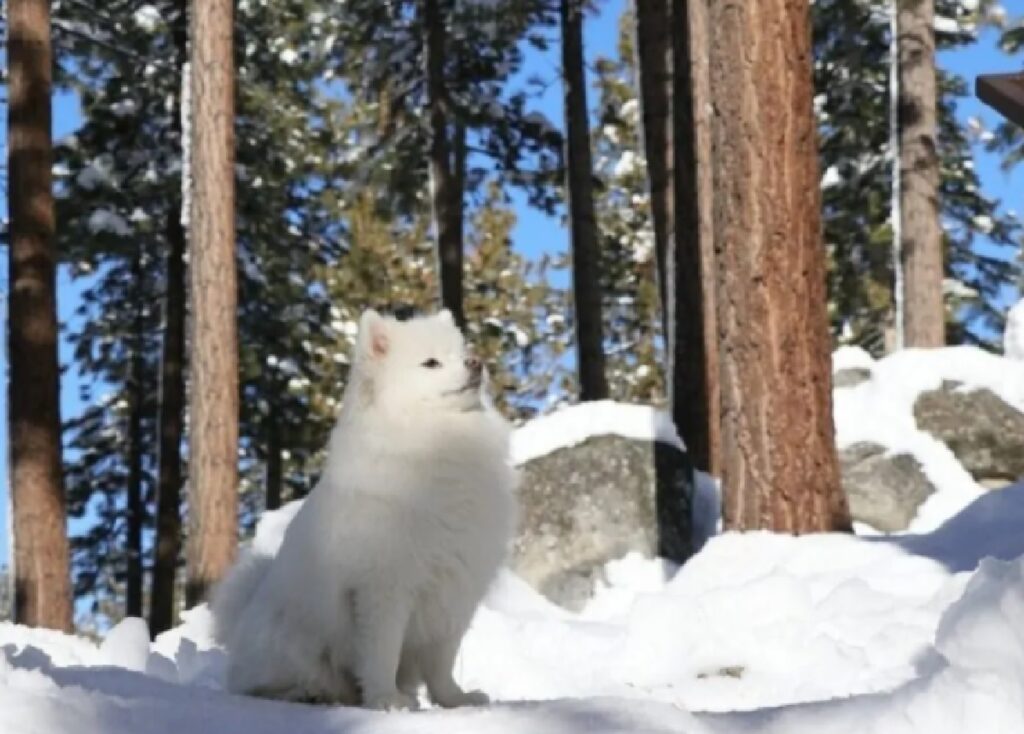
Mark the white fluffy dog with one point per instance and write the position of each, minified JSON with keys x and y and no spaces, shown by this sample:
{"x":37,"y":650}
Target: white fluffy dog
{"x":380,"y":572}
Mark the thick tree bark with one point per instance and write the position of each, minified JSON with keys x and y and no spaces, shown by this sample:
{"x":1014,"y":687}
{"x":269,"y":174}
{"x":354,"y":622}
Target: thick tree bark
{"x":446,"y":198}
{"x":779,"y":466}
{"x":135,"y":506}
{"x":586,"y":282}
{"x":167,"y":546}
{"x":42,"y":584}
{"x":921,"y":232}
{"x":213,"y":455}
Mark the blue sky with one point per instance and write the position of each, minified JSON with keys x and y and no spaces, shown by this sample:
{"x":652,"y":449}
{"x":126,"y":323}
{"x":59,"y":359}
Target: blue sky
{"x":535,"y":232}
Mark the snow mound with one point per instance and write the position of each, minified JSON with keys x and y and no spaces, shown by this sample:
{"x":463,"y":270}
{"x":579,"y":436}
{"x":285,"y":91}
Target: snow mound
{"x":972,"y":680}
{"x":758,"y":633}
{"x":851,"y":358}
{"x":127,"y":645}
{"x":575,"y":424}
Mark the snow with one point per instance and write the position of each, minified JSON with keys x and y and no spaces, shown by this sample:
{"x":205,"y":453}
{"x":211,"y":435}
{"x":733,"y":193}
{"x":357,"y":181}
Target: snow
{"x":147,"y":18}
{"x":574,"y":425}
{"x":843,"y":633}
{"x":97,"y":172}
{"x":628,"y":164}
{"x":123,"y":107}
{"x":1013,"y":336}
{"x":851,"y":358}
{"x":106,"y":220}
{"x":629,"y":112}
{"x":186,"y":145}
{"x":126,"y":646}
{"x":972,"y":679}
{"x":983,"y":223}
{"x":831,"y":177}
{"x":957,"y":289}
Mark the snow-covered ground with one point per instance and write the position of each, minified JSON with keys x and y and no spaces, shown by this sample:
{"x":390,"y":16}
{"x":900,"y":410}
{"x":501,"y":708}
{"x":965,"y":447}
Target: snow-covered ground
{"x":921,"y":632}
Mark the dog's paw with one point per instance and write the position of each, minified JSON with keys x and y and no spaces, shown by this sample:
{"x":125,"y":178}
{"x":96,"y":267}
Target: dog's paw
{"x":396,"y":701}
{"x":455,"y":699}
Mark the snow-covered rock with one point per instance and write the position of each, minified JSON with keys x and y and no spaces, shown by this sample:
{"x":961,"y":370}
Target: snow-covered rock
{"x":585,"y":505}
{"x":599,"y":480}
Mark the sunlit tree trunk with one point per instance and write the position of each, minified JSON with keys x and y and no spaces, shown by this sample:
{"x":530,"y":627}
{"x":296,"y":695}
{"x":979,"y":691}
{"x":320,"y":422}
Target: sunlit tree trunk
{"x":42,"y":586}
{"x":779,"y":465}
{"x":213,"y":445}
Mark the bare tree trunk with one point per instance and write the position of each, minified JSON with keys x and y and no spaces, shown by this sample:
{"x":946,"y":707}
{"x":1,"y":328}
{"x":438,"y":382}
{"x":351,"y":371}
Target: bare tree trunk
{"x":167,"y":546}
{"x":445,"y":196}
{"x":673,"y":71}
{"x":459,"y":153}
{"x":172,"y":404}
{"x":275,"y":469}
{"x":710,"y":459}
{"x":213,"y":458}
{"x":655,"y":69}
{"x":42,"y":584}
{"x":921,"y":234}
{"x":586,"y":281}
{"x":135,"y":507}
{"x":779,"y":461}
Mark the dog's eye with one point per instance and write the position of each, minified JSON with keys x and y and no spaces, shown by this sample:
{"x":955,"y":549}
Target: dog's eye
{"x":431,"y":364}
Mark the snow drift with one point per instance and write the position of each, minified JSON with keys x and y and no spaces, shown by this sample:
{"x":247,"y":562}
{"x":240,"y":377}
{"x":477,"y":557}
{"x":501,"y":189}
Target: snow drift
{"x":759,"y":633}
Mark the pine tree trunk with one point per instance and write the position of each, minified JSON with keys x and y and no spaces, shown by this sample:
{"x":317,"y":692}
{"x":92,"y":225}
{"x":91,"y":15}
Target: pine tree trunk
{"x":446,"y":200}
{"x":459,"y":153}
{"x":42,"y":584}
{"x":586,"y":282}
{"x":921,"y":233}
{"x":697,"y":172}
{"x":167,"y":545}
{"x":673,"y":73}
{"x":654,"y":61}
{"x":275,"y":470}
{"x":779,"y":466}
{"x":213,"y":455}
{"x":135,"y":508}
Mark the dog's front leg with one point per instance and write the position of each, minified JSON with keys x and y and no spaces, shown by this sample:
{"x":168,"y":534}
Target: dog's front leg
{"x":381,"y":618}
{"x":437,"y":663}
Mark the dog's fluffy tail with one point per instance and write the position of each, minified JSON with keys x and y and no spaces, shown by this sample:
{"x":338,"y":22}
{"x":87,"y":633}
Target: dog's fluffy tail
{"x":234,"y":593}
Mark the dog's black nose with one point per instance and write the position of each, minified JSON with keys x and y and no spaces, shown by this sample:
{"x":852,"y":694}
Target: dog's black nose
{"x":473,"y":364}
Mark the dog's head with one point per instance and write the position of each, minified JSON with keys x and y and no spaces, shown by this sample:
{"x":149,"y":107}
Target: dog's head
{"x":420,"y":364}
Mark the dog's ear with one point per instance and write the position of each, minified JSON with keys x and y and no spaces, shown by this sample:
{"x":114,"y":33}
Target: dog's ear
{"x":374,"y":340}
{"x":446,"y":316}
